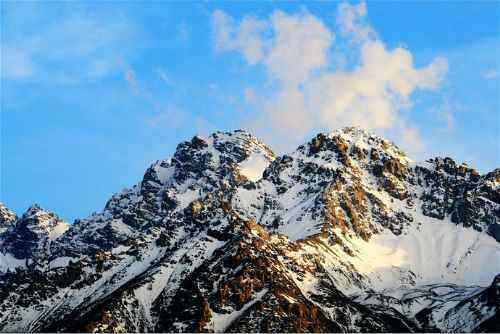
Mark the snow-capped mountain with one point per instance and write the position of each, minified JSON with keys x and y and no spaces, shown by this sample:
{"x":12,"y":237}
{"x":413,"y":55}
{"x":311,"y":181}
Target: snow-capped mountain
{"x":344,"y":234}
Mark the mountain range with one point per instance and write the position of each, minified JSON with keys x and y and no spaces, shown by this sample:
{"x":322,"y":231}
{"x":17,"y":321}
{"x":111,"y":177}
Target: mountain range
{"x":344,"y":234}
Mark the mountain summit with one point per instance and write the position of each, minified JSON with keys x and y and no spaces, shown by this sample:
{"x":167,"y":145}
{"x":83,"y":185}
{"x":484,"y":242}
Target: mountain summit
{"x":344,"y":234}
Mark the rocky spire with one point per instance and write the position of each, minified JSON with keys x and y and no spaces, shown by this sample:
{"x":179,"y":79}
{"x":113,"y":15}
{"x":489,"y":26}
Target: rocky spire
{"x":7,"y":218}
{"x":33,"y":233}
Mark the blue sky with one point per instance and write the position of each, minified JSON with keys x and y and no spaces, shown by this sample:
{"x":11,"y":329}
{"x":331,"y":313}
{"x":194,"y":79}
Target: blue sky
{"x":93,"y":93}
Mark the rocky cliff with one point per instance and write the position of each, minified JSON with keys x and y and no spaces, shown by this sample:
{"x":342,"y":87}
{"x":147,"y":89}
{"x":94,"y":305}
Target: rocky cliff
{"x":345,"y":234}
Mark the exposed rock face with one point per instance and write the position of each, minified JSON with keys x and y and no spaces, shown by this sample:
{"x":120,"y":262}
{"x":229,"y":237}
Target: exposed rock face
{"x":7,"y":218}
{"x":345,"y":234}
{"x":31,"y":235}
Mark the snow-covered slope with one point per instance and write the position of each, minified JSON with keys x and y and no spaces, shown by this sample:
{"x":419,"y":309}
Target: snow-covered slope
{"x":346,"y":233}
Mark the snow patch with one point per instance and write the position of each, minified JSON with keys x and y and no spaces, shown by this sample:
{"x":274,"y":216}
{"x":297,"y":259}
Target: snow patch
{"x":62,"y":261}
{"x":435,"y":252}
{"x":221,"y":321}
{"x":119,"y":226}
{"x":8,"y":262}
{"x":163,"y":173}
{"x":253,"y":167}
{"x":58,"y":230}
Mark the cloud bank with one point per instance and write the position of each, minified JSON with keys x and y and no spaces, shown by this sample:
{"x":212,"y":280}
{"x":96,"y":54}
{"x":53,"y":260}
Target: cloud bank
{"x":310,"y":92}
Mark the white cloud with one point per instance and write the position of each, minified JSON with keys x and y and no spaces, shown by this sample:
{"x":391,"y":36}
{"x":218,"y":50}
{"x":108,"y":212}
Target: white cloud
{"x":372,"y":94}
{"x":295,"y":52}
{"x":351,"y":21}
{"x":410,"y":138}
{"x":244,"y":37}
{"x":287,"y":113}
{"x":299,"y":46}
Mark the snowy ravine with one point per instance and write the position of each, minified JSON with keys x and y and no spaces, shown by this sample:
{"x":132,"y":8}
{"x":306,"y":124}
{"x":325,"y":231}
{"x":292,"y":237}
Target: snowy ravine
{"x":344,"y":234}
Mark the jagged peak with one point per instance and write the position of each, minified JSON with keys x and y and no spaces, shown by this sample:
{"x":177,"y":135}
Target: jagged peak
{"x":451,"y":167}
{"x":218,"y":150}
{"x":34,"y":210}
{"x":493,"y":178}
{"x":352,"y":144}
{"x":364,"y":139}
{"x":6,"y":216}
{"x":40,"y":220}
{"x":229,"y":154}
{"x":221,"y":139}
{"x":37,"y":212}
{"x":319,"y":213}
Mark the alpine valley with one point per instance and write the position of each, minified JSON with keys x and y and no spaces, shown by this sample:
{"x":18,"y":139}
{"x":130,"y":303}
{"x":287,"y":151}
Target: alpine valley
{"x":345,"y":234}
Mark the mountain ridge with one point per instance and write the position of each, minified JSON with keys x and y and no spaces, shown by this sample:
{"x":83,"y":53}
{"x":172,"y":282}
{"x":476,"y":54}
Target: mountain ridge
{"x":338,"y":231}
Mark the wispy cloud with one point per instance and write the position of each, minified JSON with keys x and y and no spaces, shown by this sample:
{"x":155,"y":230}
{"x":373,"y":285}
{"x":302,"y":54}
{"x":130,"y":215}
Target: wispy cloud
{"x":448,"y":119}
{"x":183,"y":31}
{"x":131,"y":79}
{"x":490,"y":74}
{"x":165,"y":77}
{"x":445,"y":113}
{"x":167,"y":117}
{"x":203,"y":126}
{"x":67,"y":48}
{"x":157,"y":112}
{"x":16,"y":64}
{"x":295,"y":51}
